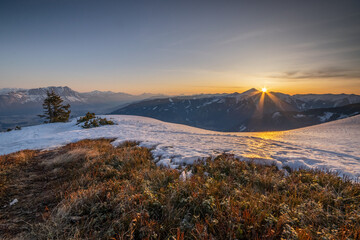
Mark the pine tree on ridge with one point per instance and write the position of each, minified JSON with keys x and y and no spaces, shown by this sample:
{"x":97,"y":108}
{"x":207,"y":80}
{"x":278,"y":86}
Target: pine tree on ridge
{"x":54,"y":110}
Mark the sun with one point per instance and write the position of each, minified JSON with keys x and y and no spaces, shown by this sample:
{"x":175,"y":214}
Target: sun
{"x":264,"y":90}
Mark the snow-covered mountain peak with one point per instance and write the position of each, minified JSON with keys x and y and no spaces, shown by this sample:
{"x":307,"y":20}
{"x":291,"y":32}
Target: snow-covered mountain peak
{"x":250,"y":91}
{"x":37,"y":95}
{"x":244,"y":95}
{"x":8,"y":90}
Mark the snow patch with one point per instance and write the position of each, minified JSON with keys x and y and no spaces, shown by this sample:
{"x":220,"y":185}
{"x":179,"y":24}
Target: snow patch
{"x":242,"y":128}
{"x":326,"y":116}
{"x":185,"y":175}
{"x":276,"y":115}
{"x":210,"y":102}
{"x":299,"y":115}
{"x":13,"y":202}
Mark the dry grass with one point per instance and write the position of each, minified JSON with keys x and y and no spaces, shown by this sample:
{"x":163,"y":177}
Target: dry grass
{"x":65,"y":158}
{"x":10,"y":165}
{"x":102,"y":192}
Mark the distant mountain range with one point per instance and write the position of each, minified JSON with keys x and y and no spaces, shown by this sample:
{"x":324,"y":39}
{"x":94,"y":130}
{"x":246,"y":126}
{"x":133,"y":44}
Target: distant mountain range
{"x":251,"y":110}
{"x":12,"y":97}
{"x":21,"y":106}
{"x":248,"y":111}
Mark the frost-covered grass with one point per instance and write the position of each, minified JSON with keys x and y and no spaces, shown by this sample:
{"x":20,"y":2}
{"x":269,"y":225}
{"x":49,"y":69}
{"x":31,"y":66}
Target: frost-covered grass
{"x":107,"y":192}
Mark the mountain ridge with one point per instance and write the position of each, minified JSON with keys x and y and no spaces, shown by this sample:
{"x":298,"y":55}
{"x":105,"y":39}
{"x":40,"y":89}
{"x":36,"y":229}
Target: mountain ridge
{"x":237,"y":111}
{"x":221,"y":111}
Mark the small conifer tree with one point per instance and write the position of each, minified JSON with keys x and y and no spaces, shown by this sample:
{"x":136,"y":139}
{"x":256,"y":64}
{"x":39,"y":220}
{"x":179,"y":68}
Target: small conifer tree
{"x":54,"y":110}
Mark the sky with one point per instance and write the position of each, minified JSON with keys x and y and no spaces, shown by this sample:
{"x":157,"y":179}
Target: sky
{"x":181,"y":47}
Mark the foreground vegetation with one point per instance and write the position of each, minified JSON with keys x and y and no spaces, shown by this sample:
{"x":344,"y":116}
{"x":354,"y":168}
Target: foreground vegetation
{"x":91,"y":190}
{"x":91,"y":121}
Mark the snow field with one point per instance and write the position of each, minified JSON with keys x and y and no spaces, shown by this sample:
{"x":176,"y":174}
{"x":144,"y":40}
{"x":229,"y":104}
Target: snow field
{"x":333,"y":146}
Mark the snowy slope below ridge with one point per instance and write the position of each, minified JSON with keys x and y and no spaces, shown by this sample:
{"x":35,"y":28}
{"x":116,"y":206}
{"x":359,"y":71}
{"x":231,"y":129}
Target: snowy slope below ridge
{"x":332,"y":146}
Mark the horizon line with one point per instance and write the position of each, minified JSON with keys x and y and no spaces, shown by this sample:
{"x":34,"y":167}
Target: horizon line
{"x":179,"y":94}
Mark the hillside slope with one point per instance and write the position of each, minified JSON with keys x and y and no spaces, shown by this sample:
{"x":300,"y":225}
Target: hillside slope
{"x":92,"y":190}
{"x":333,"y":145}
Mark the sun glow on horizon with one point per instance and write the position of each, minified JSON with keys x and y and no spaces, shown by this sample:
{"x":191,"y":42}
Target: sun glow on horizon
{"x":264,"y":90}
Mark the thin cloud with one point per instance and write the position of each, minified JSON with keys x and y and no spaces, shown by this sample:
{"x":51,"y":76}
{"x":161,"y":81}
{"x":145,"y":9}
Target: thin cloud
{"x":325,"y":73}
